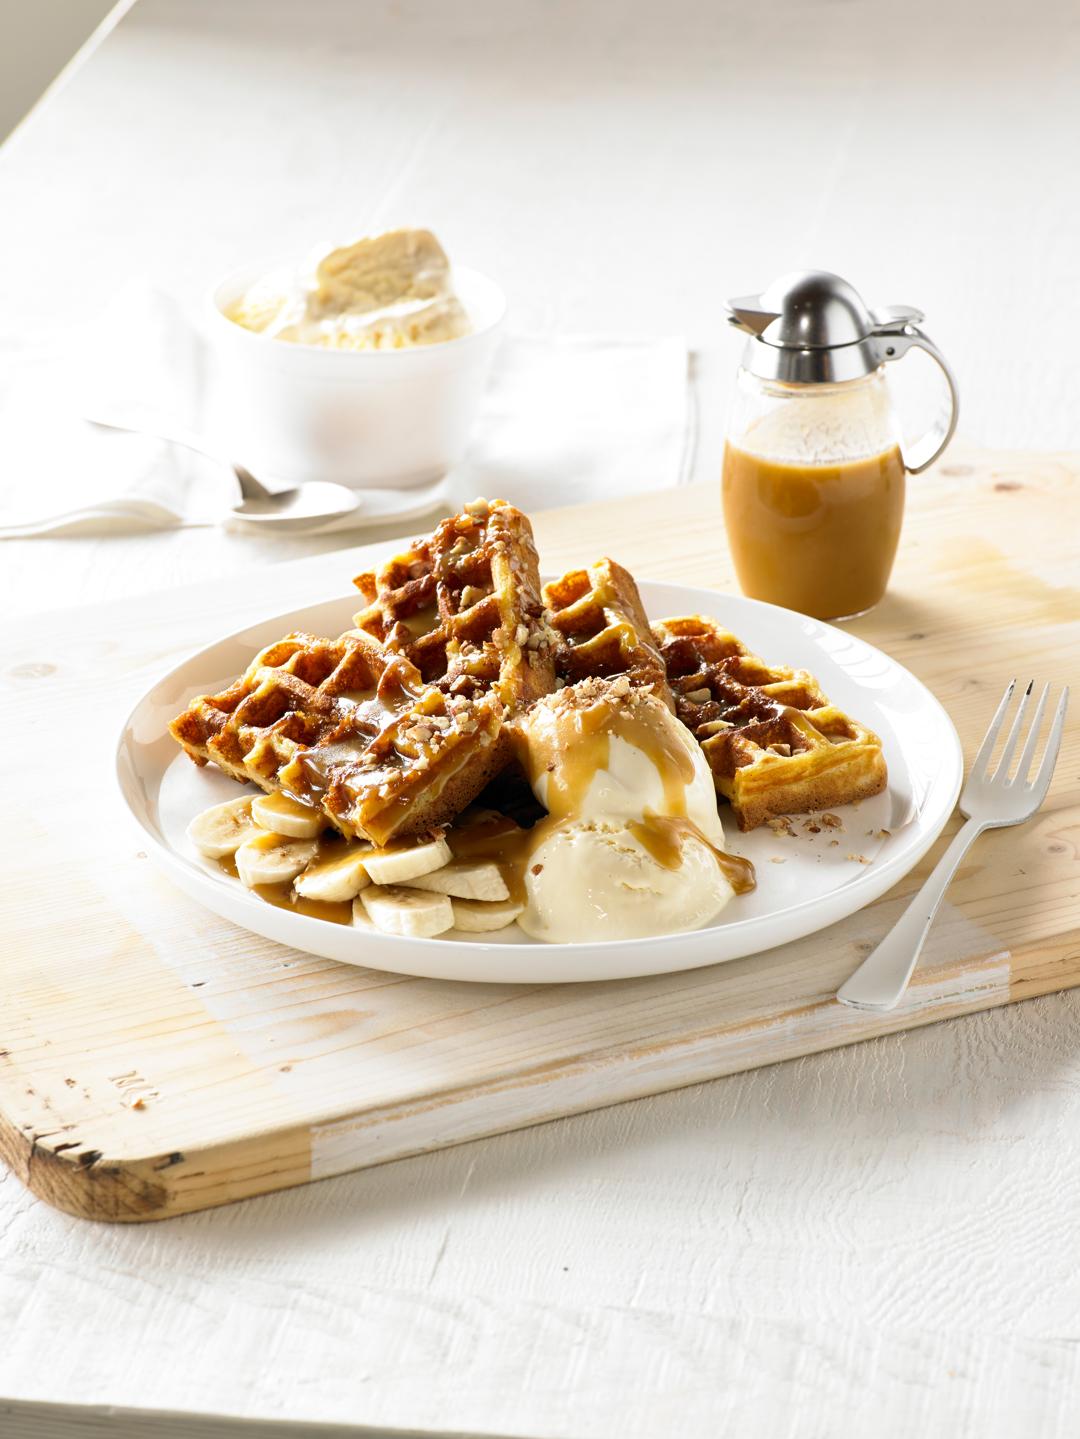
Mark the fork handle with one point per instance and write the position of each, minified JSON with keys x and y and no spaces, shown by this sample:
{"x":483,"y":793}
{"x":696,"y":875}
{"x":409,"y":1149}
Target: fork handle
{"x":883,"y":976}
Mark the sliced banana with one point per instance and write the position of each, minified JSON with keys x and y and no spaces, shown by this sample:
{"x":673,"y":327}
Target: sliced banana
{"x":477,"y":916}
{"x":465,"y":879}
{"x":412,"y":912}
{"x":396,"y":866}
{"x":282,"y":814}
{"x":272,"y":859}
{"x":336,"y":879}
{"x":220,"y":831}
{"x":360,"y":918}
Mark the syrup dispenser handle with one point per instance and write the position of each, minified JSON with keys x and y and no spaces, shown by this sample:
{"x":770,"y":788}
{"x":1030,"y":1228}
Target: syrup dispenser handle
{"x":895,"y":343}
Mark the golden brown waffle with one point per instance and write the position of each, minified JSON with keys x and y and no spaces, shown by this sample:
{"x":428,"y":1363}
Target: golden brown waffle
{"x":463,"y":605}
{"x":602,"y":628}
{"x":774,"y":742}
{"x":352,"y":729}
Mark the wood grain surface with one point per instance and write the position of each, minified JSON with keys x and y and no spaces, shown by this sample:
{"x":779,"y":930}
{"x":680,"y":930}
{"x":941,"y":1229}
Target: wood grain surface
{"x":162,"y":1060}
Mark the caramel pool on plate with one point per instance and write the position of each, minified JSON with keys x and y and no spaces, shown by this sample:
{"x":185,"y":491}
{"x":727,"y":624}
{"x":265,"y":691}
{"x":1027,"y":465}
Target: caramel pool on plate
{"x":820,"y":539}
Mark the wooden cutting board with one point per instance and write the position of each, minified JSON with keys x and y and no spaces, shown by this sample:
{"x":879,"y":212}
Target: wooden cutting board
{"x":154,"y":1059}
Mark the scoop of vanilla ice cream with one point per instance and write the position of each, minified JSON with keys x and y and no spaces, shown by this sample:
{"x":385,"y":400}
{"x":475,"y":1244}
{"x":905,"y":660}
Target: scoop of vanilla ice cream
{"x":592,"y":880}
{"x":630,"y":781}
{"x":604,"y":762}
{"x":384,"y":292}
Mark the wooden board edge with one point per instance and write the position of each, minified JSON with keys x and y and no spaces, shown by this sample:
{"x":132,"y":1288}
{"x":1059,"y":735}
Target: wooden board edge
{"x":1046,"y":966}
{"x":944,"y":992}
{"x":82,"y":1181}
{"x":43,"y":1419}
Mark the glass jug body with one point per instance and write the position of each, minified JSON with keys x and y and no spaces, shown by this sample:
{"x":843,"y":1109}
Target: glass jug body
{"x":813,"y":492}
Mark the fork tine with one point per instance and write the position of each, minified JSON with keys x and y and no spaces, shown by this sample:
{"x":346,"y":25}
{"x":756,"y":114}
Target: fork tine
{"x":979,"y":763}
{"x":1041,"y":783}
{"x":1002,"y":771}
{"x":1027,"y":754}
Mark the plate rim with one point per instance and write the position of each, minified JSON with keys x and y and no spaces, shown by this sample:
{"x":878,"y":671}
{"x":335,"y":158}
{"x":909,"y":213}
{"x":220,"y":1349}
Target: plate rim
{"x":875,"y":881}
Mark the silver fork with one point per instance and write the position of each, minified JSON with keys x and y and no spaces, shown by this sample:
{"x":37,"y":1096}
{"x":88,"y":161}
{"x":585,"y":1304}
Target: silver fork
{"x":990,"y":801}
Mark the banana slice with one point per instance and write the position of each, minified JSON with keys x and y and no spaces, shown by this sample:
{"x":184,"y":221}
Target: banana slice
{"x":220,"y":831}
{"x":282,"y":814}
{"x":272,"y":859}
{"x":359,"y":917}
{"x":411,"y":912}
{"x":477,"y":916}
{"x":465,"y":879}
{"x":336,"y":879}
{"x":396,"y":866}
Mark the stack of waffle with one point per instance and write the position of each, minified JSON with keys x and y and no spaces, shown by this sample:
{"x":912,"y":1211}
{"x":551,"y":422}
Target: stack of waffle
{"x":395,"y":727}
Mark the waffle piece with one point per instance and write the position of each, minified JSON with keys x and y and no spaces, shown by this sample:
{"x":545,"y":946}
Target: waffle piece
{"x":602,"y":628}
{"x":774,"y":742}
{"x":463,"y":605}
{"x":352,"y":729}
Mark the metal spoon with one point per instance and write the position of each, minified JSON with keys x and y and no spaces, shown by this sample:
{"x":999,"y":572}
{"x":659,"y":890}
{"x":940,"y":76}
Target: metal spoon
{"x":306,"y":504}
{"x":299,"y":507}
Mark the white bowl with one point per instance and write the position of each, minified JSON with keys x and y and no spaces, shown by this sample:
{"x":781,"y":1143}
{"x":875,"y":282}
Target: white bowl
{"x":392,"y":418}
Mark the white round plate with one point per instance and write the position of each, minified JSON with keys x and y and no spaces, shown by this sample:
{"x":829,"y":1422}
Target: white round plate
{"x":817,"y":884}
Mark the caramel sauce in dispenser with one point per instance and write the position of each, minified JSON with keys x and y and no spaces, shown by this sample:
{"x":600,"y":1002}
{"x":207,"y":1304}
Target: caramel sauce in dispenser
{"x":820,"y":539}
{"x":814,"y":478}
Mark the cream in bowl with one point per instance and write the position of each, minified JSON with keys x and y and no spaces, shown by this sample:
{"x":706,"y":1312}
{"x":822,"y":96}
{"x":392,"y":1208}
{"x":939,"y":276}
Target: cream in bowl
{"x":366,"y":367}
{"x":385,"y":292}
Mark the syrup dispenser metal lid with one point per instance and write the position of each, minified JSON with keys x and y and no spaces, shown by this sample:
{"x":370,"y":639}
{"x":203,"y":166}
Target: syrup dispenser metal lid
{"x":812,"y":327}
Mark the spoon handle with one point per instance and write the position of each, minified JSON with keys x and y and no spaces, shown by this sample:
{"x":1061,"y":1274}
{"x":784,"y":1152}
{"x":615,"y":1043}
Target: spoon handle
{"x":174,"y":434}
{"x":160,"y":430}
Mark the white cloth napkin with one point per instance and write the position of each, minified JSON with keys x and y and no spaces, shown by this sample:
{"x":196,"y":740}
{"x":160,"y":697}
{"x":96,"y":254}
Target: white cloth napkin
{"x":564,"y":420}
{"x":60,"y":475}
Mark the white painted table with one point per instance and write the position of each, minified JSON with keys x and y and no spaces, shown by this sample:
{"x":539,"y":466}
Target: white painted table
{"x":876,"y":1240}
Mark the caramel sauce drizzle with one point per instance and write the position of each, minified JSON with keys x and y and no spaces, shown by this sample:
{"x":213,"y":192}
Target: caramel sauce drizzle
{"x":501,"y":842}
{"x":364,"y":714}
{"x":282,"y":896}
{"x":569,"y":763}
{"x":663,"y":835}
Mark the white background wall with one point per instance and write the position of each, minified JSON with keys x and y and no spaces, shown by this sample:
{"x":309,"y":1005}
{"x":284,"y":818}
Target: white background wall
{"x":618,"y":165}
{"x":37,"y":39}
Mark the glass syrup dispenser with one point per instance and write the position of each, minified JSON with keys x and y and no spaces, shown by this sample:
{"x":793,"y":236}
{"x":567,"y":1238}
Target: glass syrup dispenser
{"x":814,"y":467}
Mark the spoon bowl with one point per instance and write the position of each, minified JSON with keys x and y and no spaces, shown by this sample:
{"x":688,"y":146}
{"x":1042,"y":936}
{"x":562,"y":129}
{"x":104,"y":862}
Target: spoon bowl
{"x":300,"y":506}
